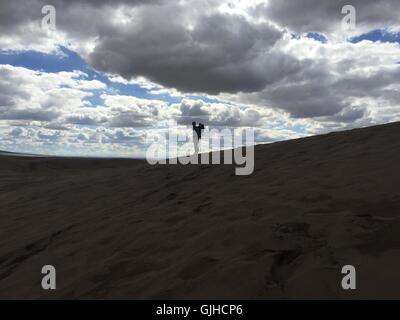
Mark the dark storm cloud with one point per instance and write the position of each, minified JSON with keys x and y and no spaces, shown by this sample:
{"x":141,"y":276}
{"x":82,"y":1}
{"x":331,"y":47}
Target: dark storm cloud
{"x":191,"y":46}
{"x":99,"y":3}
{"x":324,"y":90}
{"x":76,"y":17}
{"x":304,"y":100}
{"x":36,"y":114}
{"x":372,"y":84}
{"x":220,"y":54}
{"x":170,"y":43}
{"x":347,"y":115}
{"x":325,"y":15}
{"x":307,"y":94}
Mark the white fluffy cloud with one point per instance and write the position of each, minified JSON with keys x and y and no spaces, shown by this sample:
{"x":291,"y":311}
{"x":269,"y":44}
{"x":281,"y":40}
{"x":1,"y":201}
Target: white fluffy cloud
{"x":40,"y":96}
{"x":47,"y":113}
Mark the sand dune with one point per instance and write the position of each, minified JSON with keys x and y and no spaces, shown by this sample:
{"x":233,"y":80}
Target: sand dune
{"x":125,"y":229}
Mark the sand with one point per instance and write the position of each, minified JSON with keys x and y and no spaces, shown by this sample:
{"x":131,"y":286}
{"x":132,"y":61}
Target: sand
{"x":125,"y":229}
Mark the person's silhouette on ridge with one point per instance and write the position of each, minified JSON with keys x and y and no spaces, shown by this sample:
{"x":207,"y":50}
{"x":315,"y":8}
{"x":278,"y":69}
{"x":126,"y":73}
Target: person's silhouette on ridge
{"x":197,"y":135}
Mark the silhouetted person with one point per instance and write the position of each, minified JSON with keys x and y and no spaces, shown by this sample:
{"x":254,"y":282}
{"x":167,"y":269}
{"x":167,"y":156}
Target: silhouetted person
{"x":197,"y":135}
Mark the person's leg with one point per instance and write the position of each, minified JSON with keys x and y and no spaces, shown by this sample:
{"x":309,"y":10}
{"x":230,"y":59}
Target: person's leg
{"x":196,"y":145}
{"x":194,"y":157}
{"x":199,"y":146}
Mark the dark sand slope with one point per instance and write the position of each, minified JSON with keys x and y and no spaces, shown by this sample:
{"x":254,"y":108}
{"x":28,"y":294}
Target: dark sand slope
{"x":125,"y":229}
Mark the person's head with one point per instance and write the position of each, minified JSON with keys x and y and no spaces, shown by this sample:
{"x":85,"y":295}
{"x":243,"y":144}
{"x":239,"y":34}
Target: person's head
{"x":194,"y":123}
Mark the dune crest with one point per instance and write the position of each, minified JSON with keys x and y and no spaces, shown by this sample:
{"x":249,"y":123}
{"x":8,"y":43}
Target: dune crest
{"x":125,"y":229}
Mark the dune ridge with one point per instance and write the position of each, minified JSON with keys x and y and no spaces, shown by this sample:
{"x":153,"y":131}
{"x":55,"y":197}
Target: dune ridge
{"x":117,"y":228}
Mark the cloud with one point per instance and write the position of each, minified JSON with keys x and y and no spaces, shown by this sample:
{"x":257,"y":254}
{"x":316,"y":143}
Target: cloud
{"x":250,"y":58}
{"x":325,"y":16}
{"x":20,"y":21}
{"x":84,"y":119}
{"x":335,"y":81}
{"x":15,"y":132}
{"x":129,"y":111}
{"x":192,"y":47}
{"x":219,"y":114}
{"x":30,"y":114}
{"x":218,"y":54}
{"x":39,"y":96}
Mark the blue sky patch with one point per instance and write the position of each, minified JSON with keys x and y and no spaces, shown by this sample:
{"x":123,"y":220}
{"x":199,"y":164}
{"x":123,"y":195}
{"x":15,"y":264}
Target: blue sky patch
{"x":311,"y":35}
{"x":67,"y":60}
{"x":317,"y":36}
{"x":378,"y":35}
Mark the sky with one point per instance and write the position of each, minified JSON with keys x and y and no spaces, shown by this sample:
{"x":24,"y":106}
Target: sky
{"x":112,"y":77}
